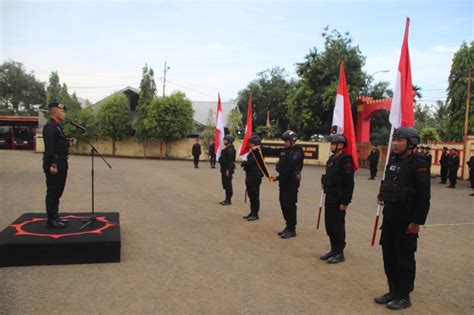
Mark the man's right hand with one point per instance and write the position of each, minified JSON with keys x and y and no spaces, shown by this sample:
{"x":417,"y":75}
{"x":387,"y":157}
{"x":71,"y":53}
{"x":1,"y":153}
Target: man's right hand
{"x":53,"y":170}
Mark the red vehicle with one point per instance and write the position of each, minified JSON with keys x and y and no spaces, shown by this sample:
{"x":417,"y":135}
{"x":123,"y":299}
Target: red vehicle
{"x":18,"y":132}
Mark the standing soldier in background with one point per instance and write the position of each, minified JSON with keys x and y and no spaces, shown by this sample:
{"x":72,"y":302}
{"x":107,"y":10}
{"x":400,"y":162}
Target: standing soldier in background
{"x":338,"y":185}
{"x":289,"y":168}
{"x":453,"y":168}
{"x":444,"y":162}
{"x":212,"y":154}
{"x":227,"y":162}
{"x":428,"y":157}
{"x":470,"y":164}
{"x":405,"y":195}
{"x":196,"y":151}
{"x":253,"y":178}
{"x":373,"y":161}
{"x":55,"y":164}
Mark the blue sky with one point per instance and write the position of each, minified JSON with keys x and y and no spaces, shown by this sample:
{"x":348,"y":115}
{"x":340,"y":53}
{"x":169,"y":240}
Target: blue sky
{"x":101,"y":46}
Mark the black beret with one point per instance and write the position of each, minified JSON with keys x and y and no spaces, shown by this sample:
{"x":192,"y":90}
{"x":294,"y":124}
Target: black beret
{"x":55,"y":103}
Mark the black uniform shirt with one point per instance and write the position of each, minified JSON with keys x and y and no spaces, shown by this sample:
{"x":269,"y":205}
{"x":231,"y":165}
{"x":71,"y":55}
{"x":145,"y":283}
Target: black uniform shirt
{"x":56,"y":146}
{"x":227,"y":159}
{"x":338,"y":182}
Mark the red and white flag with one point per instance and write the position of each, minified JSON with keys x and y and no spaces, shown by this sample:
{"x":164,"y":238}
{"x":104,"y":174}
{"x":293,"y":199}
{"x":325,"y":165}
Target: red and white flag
{"x":245,"y":148}
{"x":402,"y":112}
{"x":219,"y":132}
{"x":268,"y":119}
{"x":342,"y":117}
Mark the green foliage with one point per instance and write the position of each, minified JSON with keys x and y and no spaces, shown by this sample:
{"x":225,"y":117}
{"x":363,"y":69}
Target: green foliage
{"x":441,"y":118}
{"x":380,"y":90}
{"x":311,"y":105}
{"x":208,"y":133}
{"x":429,"y":135}
{"x":266,"y":132}
{"x":380,"y":128}
{"x":147,"y":87}
{"x":113,"y":118}
{"x":270,"y":91}
{"x":423,"y":117}
{"x":56,"y":91}
{"x":457,"y":92}
{"x":234,"y":122}
{"x":19,"y":90}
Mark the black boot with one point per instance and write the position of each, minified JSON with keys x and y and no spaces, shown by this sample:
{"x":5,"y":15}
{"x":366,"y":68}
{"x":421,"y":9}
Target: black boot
{"x":225,"y":203}
{"x":288,"y":234}
{"x":283,"y":231}
{"x":63,"y":220}
{"x":384,"y":299}
{"x":253,"y":217}
{"x":337,"y":258}
{"x":55,"y":224}
{"x":399,"y":303}
{"x":327,"y":255}
{"x":247,"y":216}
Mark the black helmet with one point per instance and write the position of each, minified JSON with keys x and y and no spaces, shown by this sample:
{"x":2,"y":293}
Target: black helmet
{"x":229,"y":138}
{"x":255,"y":139}
{"x":428,"y":148}
{"x":289,"y":135}
{"x":338,"y":138}
{"x":408,"y":133}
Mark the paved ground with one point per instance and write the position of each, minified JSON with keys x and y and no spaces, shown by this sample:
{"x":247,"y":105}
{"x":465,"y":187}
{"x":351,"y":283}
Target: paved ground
{"x":184,"y":253}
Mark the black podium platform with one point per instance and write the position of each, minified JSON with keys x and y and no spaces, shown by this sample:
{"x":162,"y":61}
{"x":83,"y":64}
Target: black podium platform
{"x":28,"y":242}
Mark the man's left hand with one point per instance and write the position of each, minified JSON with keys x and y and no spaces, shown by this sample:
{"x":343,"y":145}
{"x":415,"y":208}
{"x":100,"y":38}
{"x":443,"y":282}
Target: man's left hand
{"x":413,"y":228}
{"x":343,"y":207}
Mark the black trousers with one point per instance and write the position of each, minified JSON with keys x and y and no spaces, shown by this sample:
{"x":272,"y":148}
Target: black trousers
{"x":227,"y":185}
{"x":471,"y":178}
{"x":196,"y":160}
{"x":444,"y":174}
{"x":288,"y":200}
{"x":373,"y":170}
{"x":253,"y":191}
{"x":335,"y":221}
{"x":213,"y":160}
{"x":453,"y":177}
{"x":398,"y":250}
{"x":54,"y":190}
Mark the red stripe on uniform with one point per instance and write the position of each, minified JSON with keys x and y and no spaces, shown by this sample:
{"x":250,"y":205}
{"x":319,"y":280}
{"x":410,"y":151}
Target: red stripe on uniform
{"x":421,"y":170}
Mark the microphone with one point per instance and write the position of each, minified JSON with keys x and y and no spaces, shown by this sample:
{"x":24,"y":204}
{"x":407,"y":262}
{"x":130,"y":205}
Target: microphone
{"x":79,"y":126}
{"x":44,"y":111}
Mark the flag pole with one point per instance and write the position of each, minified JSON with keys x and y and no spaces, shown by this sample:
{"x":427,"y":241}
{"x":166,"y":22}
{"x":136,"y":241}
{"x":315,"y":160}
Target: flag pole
{"x":379,"y":207}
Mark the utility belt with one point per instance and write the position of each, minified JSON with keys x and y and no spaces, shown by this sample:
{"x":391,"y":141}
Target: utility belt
{"x":395,"y":194}
{"x":332,"y":183}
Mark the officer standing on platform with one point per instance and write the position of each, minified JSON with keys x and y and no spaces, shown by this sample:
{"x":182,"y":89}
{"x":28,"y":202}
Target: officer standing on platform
{"x":453,"y":168}
{"x":227,"y":162}
{"x":55,"y":164}
{"x":289,"y":168}
{"x":196,"y":152}
{"x":444,"y":163}
{"x":338,"y":185}
{"x":212,"y":155}
{"x":253,"y":179}
{"x":373,"y":161}
{"x":405,"y":195}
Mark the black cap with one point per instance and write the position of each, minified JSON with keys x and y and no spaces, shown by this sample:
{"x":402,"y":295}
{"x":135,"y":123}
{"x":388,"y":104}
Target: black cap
{"x":454,"y":149}
{"x":55,"y":103}
{"x":445,"y":148}
{"x":255,"y":139}
{"x":289,"y":135}
{"x":229,"y":138}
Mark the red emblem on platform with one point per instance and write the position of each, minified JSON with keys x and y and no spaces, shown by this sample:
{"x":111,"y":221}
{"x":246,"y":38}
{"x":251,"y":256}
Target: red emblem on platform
{"x":20,"y":231}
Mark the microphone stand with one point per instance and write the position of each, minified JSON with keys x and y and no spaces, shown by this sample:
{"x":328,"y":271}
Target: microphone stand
{"x":92,"y":218}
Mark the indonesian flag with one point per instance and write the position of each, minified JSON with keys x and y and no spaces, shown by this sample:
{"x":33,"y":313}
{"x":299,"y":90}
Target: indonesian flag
{"x":401,"y":112}
{"x":219,"y":133}
{"x":245,"y":148}
{"x":268,"y":119}
{"x":342,"y":117}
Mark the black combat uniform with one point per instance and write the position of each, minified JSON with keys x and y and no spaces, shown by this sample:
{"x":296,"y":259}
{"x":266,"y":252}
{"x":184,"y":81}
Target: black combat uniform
{"x":56,"y":152}
{"x":289,"y":166}
{"x":338,"y":185}
{"x":428,"y":158}
{"x":374,"y":162}
{"x":212,"y":155}
{"x":253,"y":179}
{"x":453,"y":170}
{"x":196,"y":151}
{"x":470,"y":163}
{"x":443,"y":162}
{"x":227,"y":162}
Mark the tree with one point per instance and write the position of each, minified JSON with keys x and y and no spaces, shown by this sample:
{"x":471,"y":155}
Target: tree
{"x":423,"y":117}
{"x":234,"y":122}
{"x":19,"y":90}
{"x":56,"y":91}
{"x":145,"y":129}
{"x":270,"y":91}
{"x":54,"y":87}
{"x":380,"y":90}
{"x":171,"y":118}
{"x":207,"y":135}
{"x":457,"y":92}
{"x":311,"y":105}
{"x":113,"y":118}
{"x":379,"y":123}
{"x":429,"y":135}
{"x":441,"y":119}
